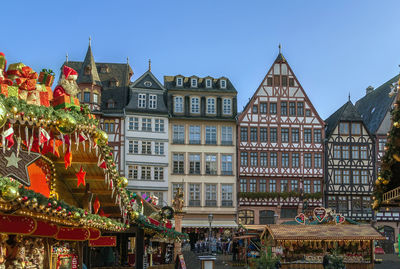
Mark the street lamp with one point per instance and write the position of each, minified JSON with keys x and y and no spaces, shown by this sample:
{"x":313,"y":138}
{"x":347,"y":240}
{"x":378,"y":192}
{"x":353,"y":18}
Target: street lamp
{"x":210,"y":219}
{"x":276,"y":216}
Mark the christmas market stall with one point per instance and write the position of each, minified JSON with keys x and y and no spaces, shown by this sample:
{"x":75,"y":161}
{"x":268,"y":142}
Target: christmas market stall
{"x":304,"y":246}
{"x":61,"y":193}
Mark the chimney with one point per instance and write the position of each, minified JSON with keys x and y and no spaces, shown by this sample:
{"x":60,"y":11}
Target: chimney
{"x":369,"y":90}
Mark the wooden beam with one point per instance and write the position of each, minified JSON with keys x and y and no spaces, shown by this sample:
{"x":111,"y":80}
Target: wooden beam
{"x":82,"y":191}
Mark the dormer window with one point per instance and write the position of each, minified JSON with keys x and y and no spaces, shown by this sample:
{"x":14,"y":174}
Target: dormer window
{"x":179,"y":82}
{"x":87,"y":70}
{"x":193,"y":83}
{"x":208,"y":83}
{"x":223,"y":83}
{"x":104,"y":69}
{"x":113,"y":83}
{"x":142,"y":100}
{"x":110,"y":104}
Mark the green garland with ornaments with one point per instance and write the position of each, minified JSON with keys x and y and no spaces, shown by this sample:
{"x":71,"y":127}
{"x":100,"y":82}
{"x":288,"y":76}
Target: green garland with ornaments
{"x":14,"y":193}
{"x":389,"y":175}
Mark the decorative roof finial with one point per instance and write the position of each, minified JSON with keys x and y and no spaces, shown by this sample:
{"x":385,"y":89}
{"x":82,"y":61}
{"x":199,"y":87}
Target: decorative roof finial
{"x":280,"y":47}
{"x":349,"y":96}
{"x":90,"y":41}
{"x":149,"y":64}
{"x":66,"y":57}
{"x":127,"y":60}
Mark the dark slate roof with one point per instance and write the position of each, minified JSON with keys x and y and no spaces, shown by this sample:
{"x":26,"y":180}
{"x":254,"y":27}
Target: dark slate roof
{"x":138,"y":86}
{"x":93,"y":76}
{"x":347,"y":112}
{"x":280,"y":58}
{"x":119,"y":95}
{"x":170,"y":84}
{"x":375,"y":105}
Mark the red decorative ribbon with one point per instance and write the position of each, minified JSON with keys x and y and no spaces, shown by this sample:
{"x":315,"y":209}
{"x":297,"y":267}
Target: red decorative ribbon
{"x":27,"y":79}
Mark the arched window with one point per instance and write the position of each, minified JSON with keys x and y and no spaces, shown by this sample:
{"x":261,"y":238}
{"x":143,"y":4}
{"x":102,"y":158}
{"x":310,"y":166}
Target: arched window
{"x":246,"y":217}
{"x":267,"y":217}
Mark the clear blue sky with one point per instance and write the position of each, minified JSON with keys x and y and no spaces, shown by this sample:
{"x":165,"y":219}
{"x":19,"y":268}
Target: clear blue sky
{"x":334,"y":47}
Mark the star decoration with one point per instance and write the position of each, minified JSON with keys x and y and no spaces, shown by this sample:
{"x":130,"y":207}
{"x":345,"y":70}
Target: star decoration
{"x":17,"y":167}
{"x":81,"y":177}
{"x":12,"y":160}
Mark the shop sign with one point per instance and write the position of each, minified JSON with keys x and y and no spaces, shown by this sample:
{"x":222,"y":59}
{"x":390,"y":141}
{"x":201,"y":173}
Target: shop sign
{"x":104,"y":241}
{"x":301,"y":218}
{"x":72,"y":234}
{"x":17,"y":224}
{"x":94,"y":233}
{"x":45,"y":229}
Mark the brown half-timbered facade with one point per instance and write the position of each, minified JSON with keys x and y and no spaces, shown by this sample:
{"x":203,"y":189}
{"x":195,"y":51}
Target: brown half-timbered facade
{"x":350,"y":164}
{"x":104,"y":88}
{"x":280,"y":150}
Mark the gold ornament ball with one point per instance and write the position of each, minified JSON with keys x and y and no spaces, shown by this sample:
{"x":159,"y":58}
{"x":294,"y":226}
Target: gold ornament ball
{"x":14,"y":110}
{"x":102,"y":136}
{"x":77,"y":215}
{"x":9,"y":193}
{"x":123,"y":182}
{"x":377,"y":182}
{"x":396,"y":124}
{"x":134,"y":215}
{"x":396,"y":157}
{"x":66,"y":124}
{"x":385,"y":182}
{"x":3,"y":115}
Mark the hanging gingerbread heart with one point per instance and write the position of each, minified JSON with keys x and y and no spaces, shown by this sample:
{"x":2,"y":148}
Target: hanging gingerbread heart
{"x":320,"y":213}
{"x":339,"y":219}
{"x":301,"y":218}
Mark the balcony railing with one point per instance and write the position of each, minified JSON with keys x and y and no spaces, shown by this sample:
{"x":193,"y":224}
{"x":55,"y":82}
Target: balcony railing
{"x":194,"y":142}
{"x":178,"y":141}
{"x":211,"y":203}
{"x":389,"y":196}
{"x":227,"y":203}
{"x":226,"y":143}
{"x":194,"y":202}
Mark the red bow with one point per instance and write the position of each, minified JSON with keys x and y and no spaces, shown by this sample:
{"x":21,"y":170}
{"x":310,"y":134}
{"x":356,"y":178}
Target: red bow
{"x":27,"y":79}
{"x":5,"y":81}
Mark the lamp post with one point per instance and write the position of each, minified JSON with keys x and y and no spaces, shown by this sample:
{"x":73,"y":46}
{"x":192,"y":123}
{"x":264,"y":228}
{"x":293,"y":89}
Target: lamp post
{"x":210,"y":219}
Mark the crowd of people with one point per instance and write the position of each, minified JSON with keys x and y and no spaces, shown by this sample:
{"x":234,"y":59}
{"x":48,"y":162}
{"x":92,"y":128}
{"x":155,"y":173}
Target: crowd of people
{"x":217,"y":245}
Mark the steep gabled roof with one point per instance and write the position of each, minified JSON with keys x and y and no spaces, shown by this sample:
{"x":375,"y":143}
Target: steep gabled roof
{"x":147,"y":77}
{"x":92,"y":76}
{"x":374,"y":106}
{"x":347,"y":112}
{"x":170,"y":84}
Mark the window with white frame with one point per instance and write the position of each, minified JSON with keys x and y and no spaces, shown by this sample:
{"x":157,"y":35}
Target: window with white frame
{"x":95,"y":98}
{"x":178,"y":104}
{"x":133,"y":124}
{"x":226,"y":164}
{"x":193,"y":82}
{"x":194,"y":134}
{"x":208,"y":83}
{"x":159,"y":148}
{"x":227,"y":106}
{"x":364,"y":177}
{"x":133,"y":147}
{"x":179,"y":81}
{"x":317,"y":160}
{"x":211,"y":164}
{"x":178,"y":163}
{"x":307,"y":186}
{"x":211,"y":106}
{"x":226,"y":135}
{"x":211,"y":135}
{"x":133,"y":172}
{"x":158,"y":173}
{"x":223,"y":83}
{"x":317,"y":186}
{"x":146,"y":124}
{"x":178,"y":134}
{"x":194,"y":195}
{"x":211,"y":195}
{"x":195,"y":105}
{"x":146,"y":147}
{"x":159,"y":125}
{"x":152,"y":101}
{"x":146,"y":173}
{"x":142,"y":100}
{"x":194,"y":164}
{"x":226,"y":195}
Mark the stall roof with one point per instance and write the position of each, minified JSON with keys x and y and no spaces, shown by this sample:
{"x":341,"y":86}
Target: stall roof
{"x":254,"y":227}
{"x":323,"y":232}
{"x":203,"y":223}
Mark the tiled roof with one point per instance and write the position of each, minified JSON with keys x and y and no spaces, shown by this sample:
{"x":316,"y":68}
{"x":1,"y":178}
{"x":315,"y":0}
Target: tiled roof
{"x":347,"y":112}
{"x":323,"y":232}
{"x":118,"y":95}
{"x":170,"y":84}
{"x":92,"y":77}
{"x":374,"y":106}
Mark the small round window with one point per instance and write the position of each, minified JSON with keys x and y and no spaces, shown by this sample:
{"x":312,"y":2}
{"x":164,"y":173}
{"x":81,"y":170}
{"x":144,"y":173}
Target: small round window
{"x":147,"y":83}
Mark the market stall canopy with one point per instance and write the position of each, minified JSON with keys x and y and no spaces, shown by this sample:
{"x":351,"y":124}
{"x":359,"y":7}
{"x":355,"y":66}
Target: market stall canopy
{"x":322,"y":232}
{"x":204,"y":223}
{"x":254,"y":227}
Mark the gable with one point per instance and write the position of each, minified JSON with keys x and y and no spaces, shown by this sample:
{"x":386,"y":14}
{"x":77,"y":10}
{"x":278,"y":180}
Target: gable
{"x":147,"y":81}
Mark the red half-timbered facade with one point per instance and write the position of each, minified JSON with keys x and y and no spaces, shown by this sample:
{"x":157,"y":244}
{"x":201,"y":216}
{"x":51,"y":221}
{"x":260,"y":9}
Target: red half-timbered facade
{"x":280,"y":150}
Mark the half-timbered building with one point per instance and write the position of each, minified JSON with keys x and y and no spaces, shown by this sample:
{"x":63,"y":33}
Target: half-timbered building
{"x":375,"y":108}
{"x":146,"y":140}
{"x":104,"y":88}
{"x":280,"y":150}
{"x":350,"y":166}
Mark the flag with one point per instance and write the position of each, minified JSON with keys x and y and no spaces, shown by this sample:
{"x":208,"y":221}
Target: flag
{"x":103,"y":164}
{"x":82,"y":137}
{"x":43,"y":136}
{"x":96,"y":205}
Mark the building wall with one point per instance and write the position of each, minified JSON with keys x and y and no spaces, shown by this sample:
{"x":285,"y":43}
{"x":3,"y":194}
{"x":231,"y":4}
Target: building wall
{"x":218,"y":179}
{"x":348,"y":189}
{"x":137,"y":161}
